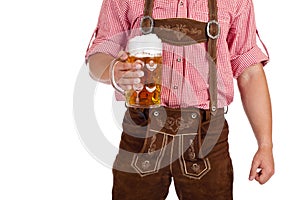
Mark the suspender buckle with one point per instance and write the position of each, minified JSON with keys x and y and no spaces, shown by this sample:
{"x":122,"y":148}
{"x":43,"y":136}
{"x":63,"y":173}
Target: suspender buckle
{"x":208,"y":29}
{"x":149,"y":28}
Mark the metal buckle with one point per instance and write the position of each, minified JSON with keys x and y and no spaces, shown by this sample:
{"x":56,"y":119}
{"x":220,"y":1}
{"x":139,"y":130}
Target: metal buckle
{"x":151,"y":24}
{"x":208,"y":28}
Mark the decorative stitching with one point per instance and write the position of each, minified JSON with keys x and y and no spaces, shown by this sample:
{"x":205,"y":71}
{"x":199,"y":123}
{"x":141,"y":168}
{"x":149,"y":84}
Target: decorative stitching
{"x":181,"y":30}
{"x":152,"y":146}
{"x":198,"y":173}
{"x":144,"y":172}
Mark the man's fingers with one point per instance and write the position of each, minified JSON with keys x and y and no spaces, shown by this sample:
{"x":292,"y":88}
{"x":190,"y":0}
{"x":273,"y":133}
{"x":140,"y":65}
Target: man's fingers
{"x":124,"y":66}
{"x":264,"y":175}
{"x":253,"y":170}
{"x":262,"y":168}
{"x":122,"y":55}
{"x":133,"y":74}
{"x":129,"y":81}
{"x":261,"y":172}
{"x":128,"y":74}
{"x":138,"y":64}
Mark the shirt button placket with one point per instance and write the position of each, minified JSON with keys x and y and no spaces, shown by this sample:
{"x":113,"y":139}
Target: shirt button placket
{"x":178,"y":60}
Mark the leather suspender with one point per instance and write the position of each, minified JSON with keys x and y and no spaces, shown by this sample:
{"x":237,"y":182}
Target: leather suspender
{"x":213,"y":28}
{"x":148,"y":8}
{"x":195,"y":32}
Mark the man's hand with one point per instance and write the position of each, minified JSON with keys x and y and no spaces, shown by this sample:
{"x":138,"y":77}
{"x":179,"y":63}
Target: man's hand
{"x":128,"y":74}
{"x":262,"y":165}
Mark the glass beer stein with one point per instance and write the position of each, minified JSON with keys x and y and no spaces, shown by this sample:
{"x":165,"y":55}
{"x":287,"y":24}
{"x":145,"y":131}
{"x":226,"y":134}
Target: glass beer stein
{"x":147,"y":48}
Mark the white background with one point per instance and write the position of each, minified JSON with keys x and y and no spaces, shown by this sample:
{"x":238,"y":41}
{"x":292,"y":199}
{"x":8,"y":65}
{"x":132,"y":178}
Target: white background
{"x":42,"y":46}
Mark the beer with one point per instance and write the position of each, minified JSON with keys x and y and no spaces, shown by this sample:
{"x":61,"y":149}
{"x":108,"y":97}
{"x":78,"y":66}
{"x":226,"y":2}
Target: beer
{"x":146,"y":94}
{"x":147,"y":48}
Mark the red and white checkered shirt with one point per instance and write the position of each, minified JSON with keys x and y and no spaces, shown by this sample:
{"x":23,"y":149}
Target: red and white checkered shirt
{"x":185,"y":69}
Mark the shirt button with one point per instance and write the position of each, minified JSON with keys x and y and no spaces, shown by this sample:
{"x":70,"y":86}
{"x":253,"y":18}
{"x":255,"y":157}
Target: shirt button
{"x":175,"y":87}
{"x":178,"y":59}
{"x":181,"y":3}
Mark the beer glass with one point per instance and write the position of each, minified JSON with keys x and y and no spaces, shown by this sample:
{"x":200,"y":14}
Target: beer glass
{"x":147,"y":93}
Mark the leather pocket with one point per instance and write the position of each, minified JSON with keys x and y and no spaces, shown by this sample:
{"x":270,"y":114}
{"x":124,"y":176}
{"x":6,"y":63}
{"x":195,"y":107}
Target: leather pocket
{"x":192,"y":165}
{"x":149,"y":159}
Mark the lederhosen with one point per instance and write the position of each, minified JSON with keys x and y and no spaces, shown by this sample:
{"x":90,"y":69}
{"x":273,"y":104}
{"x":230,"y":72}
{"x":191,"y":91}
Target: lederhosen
{"x":188,"y":144}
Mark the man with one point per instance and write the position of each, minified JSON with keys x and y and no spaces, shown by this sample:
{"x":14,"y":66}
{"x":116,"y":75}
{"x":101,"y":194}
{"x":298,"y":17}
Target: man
{"x":208,"y":175}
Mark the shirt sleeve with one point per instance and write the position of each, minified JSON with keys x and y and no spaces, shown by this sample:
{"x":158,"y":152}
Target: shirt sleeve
{"x":241,"y":40}
{"x":110,"y":35}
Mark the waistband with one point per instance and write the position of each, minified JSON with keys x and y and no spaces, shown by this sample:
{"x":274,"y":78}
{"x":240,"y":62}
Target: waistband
{"x":205,"y":113}
{"x":172,"y":121}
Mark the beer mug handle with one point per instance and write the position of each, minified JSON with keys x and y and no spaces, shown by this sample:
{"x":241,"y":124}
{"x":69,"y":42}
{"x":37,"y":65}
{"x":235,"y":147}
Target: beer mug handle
{"x":112,"y":75}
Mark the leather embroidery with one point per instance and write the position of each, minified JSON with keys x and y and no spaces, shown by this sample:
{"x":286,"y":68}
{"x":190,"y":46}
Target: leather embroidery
{"x":180,"y":30}
{"x":176,"y":124}
{"x":152,"y":145}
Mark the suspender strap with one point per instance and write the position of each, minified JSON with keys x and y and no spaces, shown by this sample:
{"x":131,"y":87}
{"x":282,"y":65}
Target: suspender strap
{"x":213,"y":31}
{"x":148,"y":8}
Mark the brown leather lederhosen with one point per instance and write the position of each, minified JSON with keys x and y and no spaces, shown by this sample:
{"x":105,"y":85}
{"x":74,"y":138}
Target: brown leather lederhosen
{"x":188,"y":144}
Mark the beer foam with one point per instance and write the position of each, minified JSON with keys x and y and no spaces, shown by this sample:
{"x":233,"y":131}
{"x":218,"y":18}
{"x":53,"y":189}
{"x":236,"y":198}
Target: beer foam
{"x":149,"y":43}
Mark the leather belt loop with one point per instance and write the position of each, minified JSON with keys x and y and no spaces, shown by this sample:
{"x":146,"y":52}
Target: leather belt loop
{"x":212,"y":54}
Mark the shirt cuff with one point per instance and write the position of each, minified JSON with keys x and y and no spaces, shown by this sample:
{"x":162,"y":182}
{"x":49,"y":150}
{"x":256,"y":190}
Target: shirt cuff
{"x":252,"y":57}
{"x":107,"y":47}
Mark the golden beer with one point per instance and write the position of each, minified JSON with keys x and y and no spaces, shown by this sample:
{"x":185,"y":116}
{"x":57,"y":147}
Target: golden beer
{"x":147,"y":48}
{"x":146,"y":94}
